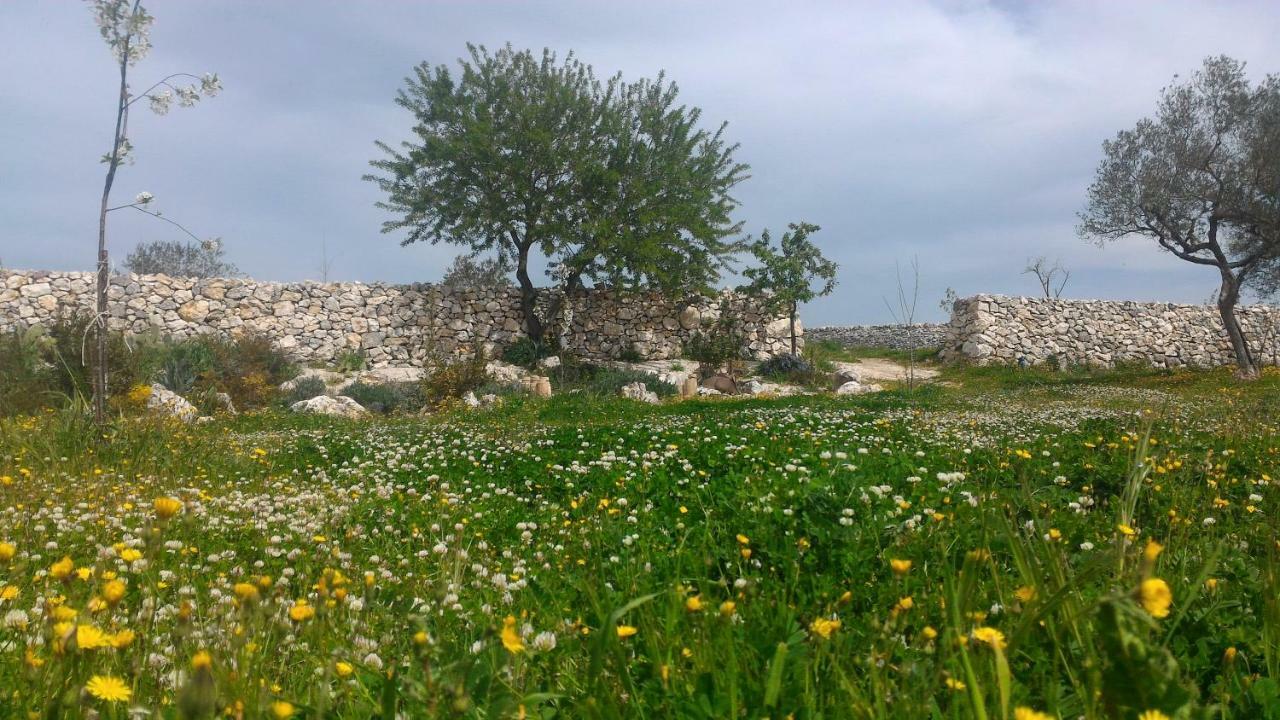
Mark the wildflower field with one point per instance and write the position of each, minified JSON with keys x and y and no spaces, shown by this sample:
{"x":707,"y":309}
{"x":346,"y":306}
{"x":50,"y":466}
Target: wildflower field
{"x":1024,"y":545}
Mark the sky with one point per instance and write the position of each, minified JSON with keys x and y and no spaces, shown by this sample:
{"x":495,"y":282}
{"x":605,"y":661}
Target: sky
{"x":961,"y":135}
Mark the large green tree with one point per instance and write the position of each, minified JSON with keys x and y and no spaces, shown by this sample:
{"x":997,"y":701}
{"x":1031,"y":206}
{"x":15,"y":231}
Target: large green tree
{"x":786,"y":273}
{"x":612,"y":183}
{"x":1200,"y":179}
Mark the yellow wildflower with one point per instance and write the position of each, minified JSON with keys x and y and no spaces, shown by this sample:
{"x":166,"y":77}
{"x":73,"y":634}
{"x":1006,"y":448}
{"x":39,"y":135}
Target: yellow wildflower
{"x":693,"y":603}
{"x":113,"y":591}
{"x":626,"y":631}
{"x":1026,"y":713}
{"x":166,"y":507}
{"x":281,"y":710}
{"x":1153,"y":715}
{"x":1152,"y":551}
{"x":1155,"y":597}
{"x":301,"y":611}
{"x":510,"y":637}
{"x":824,"y":627}
{"x":111,"y":689}
{"x":343,"y":669}
{"x":990,"y":636}
{"x":7,"y":551}
{"x":61,"y":570}
{"x":900,"y":567}
{"x":728,"y":608}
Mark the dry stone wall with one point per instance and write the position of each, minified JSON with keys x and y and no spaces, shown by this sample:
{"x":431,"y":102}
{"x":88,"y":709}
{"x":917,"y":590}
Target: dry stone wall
{"x":393,"y":325}
{"x":896,"y":337}
{"x":995,"y":329}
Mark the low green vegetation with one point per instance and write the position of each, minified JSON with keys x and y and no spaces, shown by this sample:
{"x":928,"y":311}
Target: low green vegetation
{"x":1005,"y":543}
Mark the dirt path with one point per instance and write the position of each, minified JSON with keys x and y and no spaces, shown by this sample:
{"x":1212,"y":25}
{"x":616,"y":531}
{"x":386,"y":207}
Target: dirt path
{"x":871,"y":370}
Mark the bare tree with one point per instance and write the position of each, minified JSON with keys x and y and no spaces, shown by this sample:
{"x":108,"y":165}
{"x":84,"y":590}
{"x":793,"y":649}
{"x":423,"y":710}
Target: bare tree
{"x":904,"y":313}
{"x":1052,"y":278}
{"x":125,"y":25}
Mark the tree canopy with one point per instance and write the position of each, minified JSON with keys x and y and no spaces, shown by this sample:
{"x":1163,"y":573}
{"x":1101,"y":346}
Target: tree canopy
{"x":611,"y":182}
{"x":181,"y":259}
{"x":1200,"y":179}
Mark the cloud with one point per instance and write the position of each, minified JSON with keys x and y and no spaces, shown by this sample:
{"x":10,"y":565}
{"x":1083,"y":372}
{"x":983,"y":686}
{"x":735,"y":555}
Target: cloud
{"x":960,"y":133}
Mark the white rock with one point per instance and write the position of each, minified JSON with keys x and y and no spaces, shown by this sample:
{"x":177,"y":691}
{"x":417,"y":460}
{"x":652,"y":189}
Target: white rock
{"x":640,"y":392}
{"x":708,"y":391}
{"x":470,"y":400}
{"x":164,"y":401}
{"x":341,"y":406}
{"x":547,"y":363}
{"x":857,"y":388}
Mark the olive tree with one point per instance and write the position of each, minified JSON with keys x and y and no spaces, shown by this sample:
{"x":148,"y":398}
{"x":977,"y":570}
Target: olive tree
{"x":1200,"y":180}
{"x":203,"y":259}
{"x":610,"y":182}
{"x":125,"y":25}
{"x":786,"y":273}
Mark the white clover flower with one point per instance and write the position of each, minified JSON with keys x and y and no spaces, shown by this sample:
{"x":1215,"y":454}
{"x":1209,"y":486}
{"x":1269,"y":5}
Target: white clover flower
{"x":544,"y":641}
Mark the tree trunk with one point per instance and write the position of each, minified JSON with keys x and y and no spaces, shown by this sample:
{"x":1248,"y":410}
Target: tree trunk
{"x":100,"y":306}
{"x":1228,"y":296}
{"x":793,"y":328}
{"x":528,"y":297}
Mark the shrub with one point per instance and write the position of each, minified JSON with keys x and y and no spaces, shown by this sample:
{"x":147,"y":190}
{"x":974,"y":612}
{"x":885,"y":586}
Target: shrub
{"x":609,"y":382}
{"x":349,"y":361}
{"x":630,"y":355}
{"x":721,"y":345}
{"x":386,"y":398}
{"x":182,"y":363}
{"x":72,"y":351}
{"x":784,"y":367}
{"x":454,"y":378}
{"x":27,"y":382}
{"x":247,"y":367}
{"x":525,"y":352}
{"x":303,"y":389}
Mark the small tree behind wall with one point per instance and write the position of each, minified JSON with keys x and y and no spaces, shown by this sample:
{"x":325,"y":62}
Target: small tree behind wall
{"x":125,"y":25}
{"x":786,"y":273}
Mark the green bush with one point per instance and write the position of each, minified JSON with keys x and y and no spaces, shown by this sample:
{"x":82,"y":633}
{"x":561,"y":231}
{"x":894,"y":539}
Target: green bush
{"x":386,"y":398}
{"x":73,"y":352}
{"x":630,"y":355}
{"x":608,"y":382}
{"x":526,"y":353}
{"x":27,"y":382}
{"x":182,"y":363}
{"x":454,"y":378}
{"x":247,"y":367}
{"x":303,"y":389}
{"x":349,"y":361}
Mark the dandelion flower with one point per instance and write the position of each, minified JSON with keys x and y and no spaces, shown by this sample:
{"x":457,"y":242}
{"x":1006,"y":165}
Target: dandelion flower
{"x":301,"y":611}
{"x":1152,"y":551}
{"x":113,"y":591}
{"x":728,"y":608}
{"x":693,"y":603}
{"x":343,"y":669}
{"x":1153,"y":715}
{"x":510,"y":637}
{"x":990,"y":636}
{"x":1156,"y":597}
{"x":166,"y":507}
{"x":824,"y":627}
{"x":281,"y":710}
{"x":61,"y":570}
{"x":111,"y":689}
{"x":626,"y":631}
{"x":900,"y":567}
{"x":1026,"y":713}
{"x":7,"y":551}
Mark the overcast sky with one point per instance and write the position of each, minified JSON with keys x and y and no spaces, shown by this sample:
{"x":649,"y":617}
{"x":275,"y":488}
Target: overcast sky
{"x":963,"y":134}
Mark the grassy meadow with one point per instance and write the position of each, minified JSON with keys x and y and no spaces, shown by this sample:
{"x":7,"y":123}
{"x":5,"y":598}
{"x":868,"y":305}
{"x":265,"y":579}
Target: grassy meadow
{"x":1001,"y":544}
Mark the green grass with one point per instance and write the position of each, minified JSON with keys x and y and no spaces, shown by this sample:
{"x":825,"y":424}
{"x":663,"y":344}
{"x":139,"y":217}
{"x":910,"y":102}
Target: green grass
{"x":495,"y":563}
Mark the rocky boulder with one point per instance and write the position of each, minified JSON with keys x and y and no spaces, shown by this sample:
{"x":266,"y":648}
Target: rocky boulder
{"x":340,"y":406}
{"x":639,"y":392}
{"x":164,"y":401}
{"x":857,"y":388}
